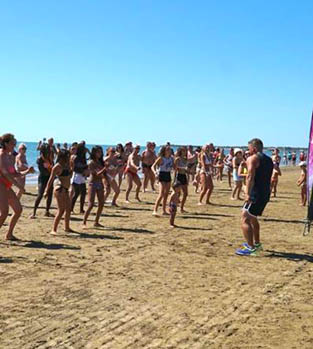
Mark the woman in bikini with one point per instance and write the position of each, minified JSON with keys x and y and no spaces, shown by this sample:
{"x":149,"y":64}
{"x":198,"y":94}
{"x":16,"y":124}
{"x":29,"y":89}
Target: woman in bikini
{"x":45,"y":168}
{"x":238,"y":179}
{"x":22,"y":166}
{"x":8,"y":178}
{"x":132,"y":168}
{"x":111,"y":164}
{"x":121,"y":162}
{"x":181,"y":170}
{"x":148,"y":158}
{"x":80,"y":167}
{"x":95,"y":187}
{"x":228,"y":162}
{"x":192,"y":163}
{"x":206,"y":165}
{"x":165,"y":162}
{"x":62,"y":172}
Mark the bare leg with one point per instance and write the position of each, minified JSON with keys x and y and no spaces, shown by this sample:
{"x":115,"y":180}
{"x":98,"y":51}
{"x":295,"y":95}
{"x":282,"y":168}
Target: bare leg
{"x":130,"y":185}
{"x":165,"y":196}
{"x":116,"y":192}
{"x":204,"y":186}
{"x":60,"y":197}
{"x":185,"y":194}
{"x":91,"y":202}
{"x":100,"y":196}
{"x":159,"y":198}
{"x":138,"y":183}
{"x":67,"y":217}
{"x":4,"y":204}
{"x":17,"y":209}
{"x":210,"y":189}
{"x":247,"y":228}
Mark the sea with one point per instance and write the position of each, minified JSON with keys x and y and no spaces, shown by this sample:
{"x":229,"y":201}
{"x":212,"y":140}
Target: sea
{"x":32,"y":155}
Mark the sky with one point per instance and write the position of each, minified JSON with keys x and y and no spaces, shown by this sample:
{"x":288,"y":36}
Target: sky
{"x":189,"y":72}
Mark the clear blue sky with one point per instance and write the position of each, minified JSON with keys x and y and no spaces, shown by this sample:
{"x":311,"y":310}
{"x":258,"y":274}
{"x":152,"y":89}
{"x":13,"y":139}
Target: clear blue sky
{"x":184,"y":71}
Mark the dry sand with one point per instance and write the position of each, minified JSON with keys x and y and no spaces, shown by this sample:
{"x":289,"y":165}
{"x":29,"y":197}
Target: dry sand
{"x":139,"y":284}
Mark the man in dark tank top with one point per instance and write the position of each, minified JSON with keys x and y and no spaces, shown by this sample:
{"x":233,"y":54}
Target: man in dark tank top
{"x":257,"y":195}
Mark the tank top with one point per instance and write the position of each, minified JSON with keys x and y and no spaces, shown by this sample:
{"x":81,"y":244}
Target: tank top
{"x":262,"y":180}
{"x":167,"y":164}
{"x":182,"y":164}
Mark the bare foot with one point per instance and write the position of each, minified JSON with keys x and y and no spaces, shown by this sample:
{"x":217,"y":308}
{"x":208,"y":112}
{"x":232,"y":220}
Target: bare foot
{"x":52,"y":232}
{"x":84,"y":226}
{"x":137,"y":198}
{"x":98,"y":225}
{"x":234,"y":199}
{"x":32,"y":217}
{"x":69,"y":230}
{"x":127,"y":201}
{"x":12,"y":238}
{"x":154,"y":213}
{"x":173,"y":226}
{"x":165,"y":213}
{"x":183,"y":211}
{"x":200,"y":204}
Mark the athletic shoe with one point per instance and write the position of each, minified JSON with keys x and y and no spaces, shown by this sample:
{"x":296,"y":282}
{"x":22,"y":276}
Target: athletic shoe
{"x":258,"y":247}
{"x":246,"y":251}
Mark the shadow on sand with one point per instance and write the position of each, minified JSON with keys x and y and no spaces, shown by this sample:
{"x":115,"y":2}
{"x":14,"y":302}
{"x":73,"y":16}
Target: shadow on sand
{"x":294,"y":221}
{"x":6,"y":260}
{"x":210,"y":218}
{"x":95,"y":236}
{"x":40,"y":244}
{"x":136,"y":230}
{"x":290,"y":256}
{"x":192,"y":228}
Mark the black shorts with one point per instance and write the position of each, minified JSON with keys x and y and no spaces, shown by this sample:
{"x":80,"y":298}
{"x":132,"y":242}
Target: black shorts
{"x":181,"y":178}
{"x":255,"y":208}
{"x":146,"y":166}
{"x":165,"y":177}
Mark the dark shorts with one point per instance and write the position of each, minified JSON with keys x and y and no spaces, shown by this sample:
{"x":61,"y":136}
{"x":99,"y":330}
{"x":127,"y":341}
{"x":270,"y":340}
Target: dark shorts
{"x":146,"y":166}
{"x":165,"y":177}
{"x":181,"y":179}
{"x":255,"y":208}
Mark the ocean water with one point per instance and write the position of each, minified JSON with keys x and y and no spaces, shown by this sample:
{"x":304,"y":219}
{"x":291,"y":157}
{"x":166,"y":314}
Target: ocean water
{"x":32,"y":155}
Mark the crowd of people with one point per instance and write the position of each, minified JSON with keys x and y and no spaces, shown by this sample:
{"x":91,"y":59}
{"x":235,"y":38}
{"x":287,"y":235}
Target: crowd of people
{"x":75,"y":172}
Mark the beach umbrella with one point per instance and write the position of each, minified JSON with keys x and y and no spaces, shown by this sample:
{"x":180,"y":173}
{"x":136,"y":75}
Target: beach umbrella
{"x":309,"y":218}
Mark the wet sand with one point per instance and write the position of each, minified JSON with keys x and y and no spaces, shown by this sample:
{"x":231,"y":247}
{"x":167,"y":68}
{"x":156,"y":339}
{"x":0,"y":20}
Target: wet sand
{"x":136,"y":283}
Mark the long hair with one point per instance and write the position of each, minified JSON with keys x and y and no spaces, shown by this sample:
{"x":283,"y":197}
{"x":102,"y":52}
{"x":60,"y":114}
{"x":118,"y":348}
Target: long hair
{"x":120,"y":146}
{"x":81,"y":153}
{"x":45,"y":151}
{"x":6,"y":138}
{"x":93,"y":155}
{"x":63,"y":157}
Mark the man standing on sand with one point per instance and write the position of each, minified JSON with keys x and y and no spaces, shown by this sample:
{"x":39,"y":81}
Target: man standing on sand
{"x":257,"y":195}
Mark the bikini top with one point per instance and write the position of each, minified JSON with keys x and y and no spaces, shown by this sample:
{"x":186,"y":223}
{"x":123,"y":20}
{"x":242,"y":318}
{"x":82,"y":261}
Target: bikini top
{"x":65,"y":173}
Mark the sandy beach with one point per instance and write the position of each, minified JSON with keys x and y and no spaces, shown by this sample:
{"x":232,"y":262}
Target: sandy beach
{"x":136,"y":283}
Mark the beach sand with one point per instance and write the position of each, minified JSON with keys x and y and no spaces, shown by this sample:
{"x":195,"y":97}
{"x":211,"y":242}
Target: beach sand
{"x":136,"y":283}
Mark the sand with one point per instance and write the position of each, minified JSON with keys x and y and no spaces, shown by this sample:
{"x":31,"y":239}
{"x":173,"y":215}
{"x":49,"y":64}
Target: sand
{"x":136,"y":283}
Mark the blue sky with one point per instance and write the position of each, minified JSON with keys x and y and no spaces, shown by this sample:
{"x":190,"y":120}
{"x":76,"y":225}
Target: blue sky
{"x":185,"y":71}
